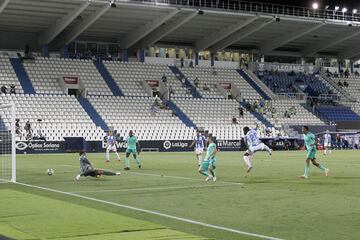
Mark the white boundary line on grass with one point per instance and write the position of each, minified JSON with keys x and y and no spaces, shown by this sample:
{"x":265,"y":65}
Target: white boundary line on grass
{"x":153,"y":188}
{"x":153,"y":212}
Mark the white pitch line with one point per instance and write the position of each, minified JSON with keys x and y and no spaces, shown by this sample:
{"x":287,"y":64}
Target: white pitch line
{"x":165,"y":176}
{"x":153,"y":188}
{"x":154,"y":213}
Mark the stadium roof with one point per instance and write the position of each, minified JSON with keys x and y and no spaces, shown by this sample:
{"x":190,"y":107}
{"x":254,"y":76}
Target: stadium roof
{"x":262,"y":28}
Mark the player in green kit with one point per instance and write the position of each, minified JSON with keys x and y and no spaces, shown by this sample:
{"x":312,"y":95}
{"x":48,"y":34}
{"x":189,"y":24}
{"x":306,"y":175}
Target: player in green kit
{"x":310,"y":143}
{"x":207,"y":167}
{"x":133,"y":147}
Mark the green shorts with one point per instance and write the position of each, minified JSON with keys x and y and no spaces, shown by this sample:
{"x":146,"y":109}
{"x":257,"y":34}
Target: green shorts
{"x":130,"y":150}
{"x":207,"y":163}
{"x":311,"y":153}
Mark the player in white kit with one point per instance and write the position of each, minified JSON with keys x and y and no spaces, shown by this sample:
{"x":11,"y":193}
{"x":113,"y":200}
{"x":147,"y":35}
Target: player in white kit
{"x":111,"y":146}
{"x":254,"y":144}
{"x":327,"y":143}
{"x":199,"y":142}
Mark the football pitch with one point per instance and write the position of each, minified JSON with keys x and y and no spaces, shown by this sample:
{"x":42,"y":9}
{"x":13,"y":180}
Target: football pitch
{"x":169,"y":199}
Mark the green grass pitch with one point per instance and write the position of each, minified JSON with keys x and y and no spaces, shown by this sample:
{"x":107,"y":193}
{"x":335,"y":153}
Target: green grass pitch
{"x":271,"y":201}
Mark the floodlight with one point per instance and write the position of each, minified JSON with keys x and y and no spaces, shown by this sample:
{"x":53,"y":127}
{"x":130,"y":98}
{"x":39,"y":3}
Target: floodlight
{"x":315,"y":5}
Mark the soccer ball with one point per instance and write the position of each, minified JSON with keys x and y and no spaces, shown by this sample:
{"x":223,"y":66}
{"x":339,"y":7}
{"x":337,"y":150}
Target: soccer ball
{"x":50,"y":171}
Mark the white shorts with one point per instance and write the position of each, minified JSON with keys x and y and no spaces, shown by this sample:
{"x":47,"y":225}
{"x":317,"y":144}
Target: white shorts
{"x":327,"y":144}
{"x":199,"y":150}
{"x":111,"y":148}
{"x":259,"y":147}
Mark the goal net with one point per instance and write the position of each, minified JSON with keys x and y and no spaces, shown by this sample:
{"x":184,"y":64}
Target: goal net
{"x":7,"y":143}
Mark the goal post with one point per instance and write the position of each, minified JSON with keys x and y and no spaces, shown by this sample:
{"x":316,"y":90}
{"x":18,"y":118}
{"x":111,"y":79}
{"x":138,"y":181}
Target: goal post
{"x":8,"y":142}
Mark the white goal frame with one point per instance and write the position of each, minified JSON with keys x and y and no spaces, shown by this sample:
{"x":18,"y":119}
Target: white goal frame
{"x":12,"y":107}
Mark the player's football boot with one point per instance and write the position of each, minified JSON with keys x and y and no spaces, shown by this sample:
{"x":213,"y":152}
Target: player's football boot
{"x":327,"y":172}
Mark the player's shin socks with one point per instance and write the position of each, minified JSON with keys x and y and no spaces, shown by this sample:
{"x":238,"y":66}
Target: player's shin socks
{"x":247,"y":161}
{"x":266,"y":148}
{"x":138,"y":162}
{"x":206,"y":174}
{"x":107,"y":173}
{"x":127,"y":162}
{"x":199,"y":159}
{"x":107,"y":155}
{"x":307,"y":168}
{"x":322,"y":167}
{"x":117,"y":155}
{"x":213,"y":173}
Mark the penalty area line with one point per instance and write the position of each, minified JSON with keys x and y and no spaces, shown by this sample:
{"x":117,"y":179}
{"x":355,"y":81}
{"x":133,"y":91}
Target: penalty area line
{"x":153,"y":212}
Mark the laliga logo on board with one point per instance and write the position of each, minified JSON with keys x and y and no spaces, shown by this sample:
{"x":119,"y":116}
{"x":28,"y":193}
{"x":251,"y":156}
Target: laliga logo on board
{"x":167,"y":145}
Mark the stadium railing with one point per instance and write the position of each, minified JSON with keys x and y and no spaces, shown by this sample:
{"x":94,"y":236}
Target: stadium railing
{"x":256,"y":7}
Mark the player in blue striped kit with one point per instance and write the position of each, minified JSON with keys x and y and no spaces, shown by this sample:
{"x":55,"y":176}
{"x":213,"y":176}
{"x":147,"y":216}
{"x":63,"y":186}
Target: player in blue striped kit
{"x":254,"y":144}
{"x":111,"y":146}
{"x":199,"y":143}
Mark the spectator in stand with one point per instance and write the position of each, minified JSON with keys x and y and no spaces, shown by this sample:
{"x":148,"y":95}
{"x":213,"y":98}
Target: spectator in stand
{"x":214,"y":72}
{"x":336,"y":74}
{"x":164,"y":79}
{"x":346,"y":83}
{"x":12,"y":89}
{"x":234,"y":120}
{"x":356,"y":73}
{"x":340,"y":84}
{"x":273,"y":112}
{"x":3,"y":89}
{"x":171,"y":90}
{"x":229,"y":94}
{"x":286,"y":114}
{"x":17,"y":127}
{"x":347,"y":73}
{"x":206,"y":87}
{"x":196,"y":82}
{"x":28,"y":130}
{"x":191,"y":64}
{"x":183,"y":82}
{"x":241,"y":112}
{"x":182,"y":62}
{"x":338,"y":141}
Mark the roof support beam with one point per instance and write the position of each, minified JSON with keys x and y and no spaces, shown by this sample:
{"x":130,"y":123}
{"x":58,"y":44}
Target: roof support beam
{"x":284,"y":39}
{"x":351,"y":52}
{"x":61,"y":24}
{"x":166,"y":29}
{"x":329,"y":42}
{"x":141,"y":32}
{"x":239,"y":35}
{"x":206,"y":42}
{"x":3,"y":5}
{"x":79,"y":28}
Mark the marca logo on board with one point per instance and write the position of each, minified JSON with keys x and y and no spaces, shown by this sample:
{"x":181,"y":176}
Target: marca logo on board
{"x":228,"y":144}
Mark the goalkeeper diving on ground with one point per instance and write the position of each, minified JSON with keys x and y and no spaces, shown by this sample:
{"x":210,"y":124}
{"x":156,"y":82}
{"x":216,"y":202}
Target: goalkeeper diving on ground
{"x":87,"y":169}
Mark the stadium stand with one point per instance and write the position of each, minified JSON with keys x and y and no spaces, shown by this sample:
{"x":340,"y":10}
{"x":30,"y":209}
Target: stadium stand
{"x":289,"y":112}
{"x":353,"y":87}
{"x":212,"y":76}
{"x":337,"y":113}
{"x":61,"y":115}
{"x":129,"y":77}
{"x":8,"y":75}
{"x":215,"y":115}
{"x":139,"y":115}
{"x":285,"y":82}
{"x":45,"y":72}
